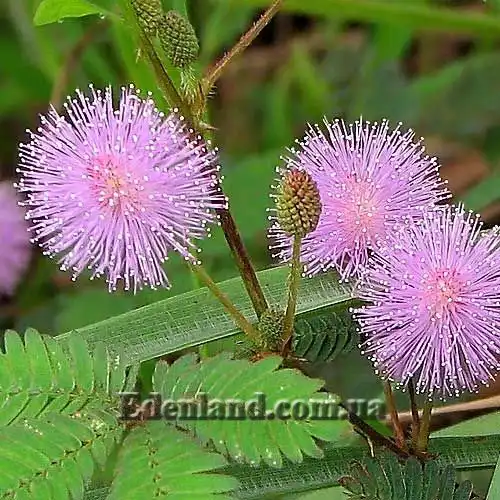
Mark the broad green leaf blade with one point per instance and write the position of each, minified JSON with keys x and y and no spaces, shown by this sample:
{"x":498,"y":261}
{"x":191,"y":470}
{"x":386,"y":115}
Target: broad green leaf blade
{"x":479,"y":426}
{"x":311,"y":474}
{"x":335,"y":493}
{"x":196,"y":317}
{"x":52,"y":11}
{"x":402,"y":13}
{"x":494,"y":491}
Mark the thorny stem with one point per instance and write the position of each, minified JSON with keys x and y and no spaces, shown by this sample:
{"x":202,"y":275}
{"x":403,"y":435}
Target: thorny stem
{"x":293,"y":292}
{"x":425,"y":425}
{"x":391,"y":406}
{"x":215,"y":71}
{"x":415,"y":426}
{"x":238,"y":318}
{"x":228,"y":225}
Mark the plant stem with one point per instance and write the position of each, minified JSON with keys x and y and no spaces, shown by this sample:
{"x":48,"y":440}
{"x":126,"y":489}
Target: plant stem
{"x":164,"y":81}
{"x":373,"y":434}
{"x":238,"y":318}
{"x":242,"y":259}
{"x":293,"y":292}
{"x":425,"y":426}
{"x":228,"y":225}
{"x":215,"y":71}
{"x":391,"y":406}
{"x":415,"y":426}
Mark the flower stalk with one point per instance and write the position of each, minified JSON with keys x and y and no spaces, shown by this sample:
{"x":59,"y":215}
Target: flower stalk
{"x":425,"y":427}
{"x":293,"y":292}
{"x":238,"y":318}
{"x":415,"y":426}
{"x":393,"y":412}
{"x":228,"y":225}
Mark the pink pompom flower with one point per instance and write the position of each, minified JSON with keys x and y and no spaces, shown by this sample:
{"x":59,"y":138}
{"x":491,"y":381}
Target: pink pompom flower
{"x":15,"y":248}
{"x":433,"y":310}
{"x":114,"y":190}
{"x":370,"y":179}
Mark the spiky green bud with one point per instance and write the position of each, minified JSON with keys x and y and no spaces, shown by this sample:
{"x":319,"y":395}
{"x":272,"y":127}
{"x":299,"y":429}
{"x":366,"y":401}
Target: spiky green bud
{"x":178,"y":39}
{"x":298,"y":203}
{"x":149,"y":14}
{"x":270,"y":326}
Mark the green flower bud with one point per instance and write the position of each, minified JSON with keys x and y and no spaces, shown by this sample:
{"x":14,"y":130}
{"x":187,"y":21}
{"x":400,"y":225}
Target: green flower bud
{"x":178,"y":39}
{"x":149,"y":14}
{"x":298,"y":203}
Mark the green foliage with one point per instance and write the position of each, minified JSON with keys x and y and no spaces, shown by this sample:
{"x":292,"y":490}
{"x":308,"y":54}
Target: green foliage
{"x":248,"y":440}
{"x":323,"y":337}
{"x":53,"y":456}
{"x":157,"y":460}
{"x":57,"y":403}
{"x":196,"y":317}
{"x":266,"y":482}
{"x":401,"y":13}
{"x":39,"y":376}
{"x":51,"y":11}
{"x":485,"y":425}
{"x":494,"y":491}
{"x":386,"y":479}
{"x":58,"y":414}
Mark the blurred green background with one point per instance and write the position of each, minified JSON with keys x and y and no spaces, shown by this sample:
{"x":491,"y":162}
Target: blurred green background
{"x":435,"y":66}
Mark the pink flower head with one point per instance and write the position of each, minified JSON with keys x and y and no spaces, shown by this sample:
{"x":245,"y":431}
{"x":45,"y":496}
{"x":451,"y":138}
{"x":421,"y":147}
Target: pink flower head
{"x":15,"y":248}
{"x":113,"y":190}
{"x":434,"y":304}
{"x":370,"y":179}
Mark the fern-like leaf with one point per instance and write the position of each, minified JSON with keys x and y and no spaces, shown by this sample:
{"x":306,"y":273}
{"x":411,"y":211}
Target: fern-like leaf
{"x":249,"y":440}
{"x":324,"y":337}
{"x":386,"y":479}
{"x":158,"y":460}
{"x":58,"y":414}
{"x":51,"y":457}
{"x":38,"y":376}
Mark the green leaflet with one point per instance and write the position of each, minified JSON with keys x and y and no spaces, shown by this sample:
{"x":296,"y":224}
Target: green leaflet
{"x":386,"y":479}
{"x":244,"y":439}
{"x":324,"y":336}
{"x":58,"y":414}
{"x":38,"y":376}
{"x":51,"y":11}
{"x":196,"y":317}
{"x":51,"y":456}
{"x":156,"y":459}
